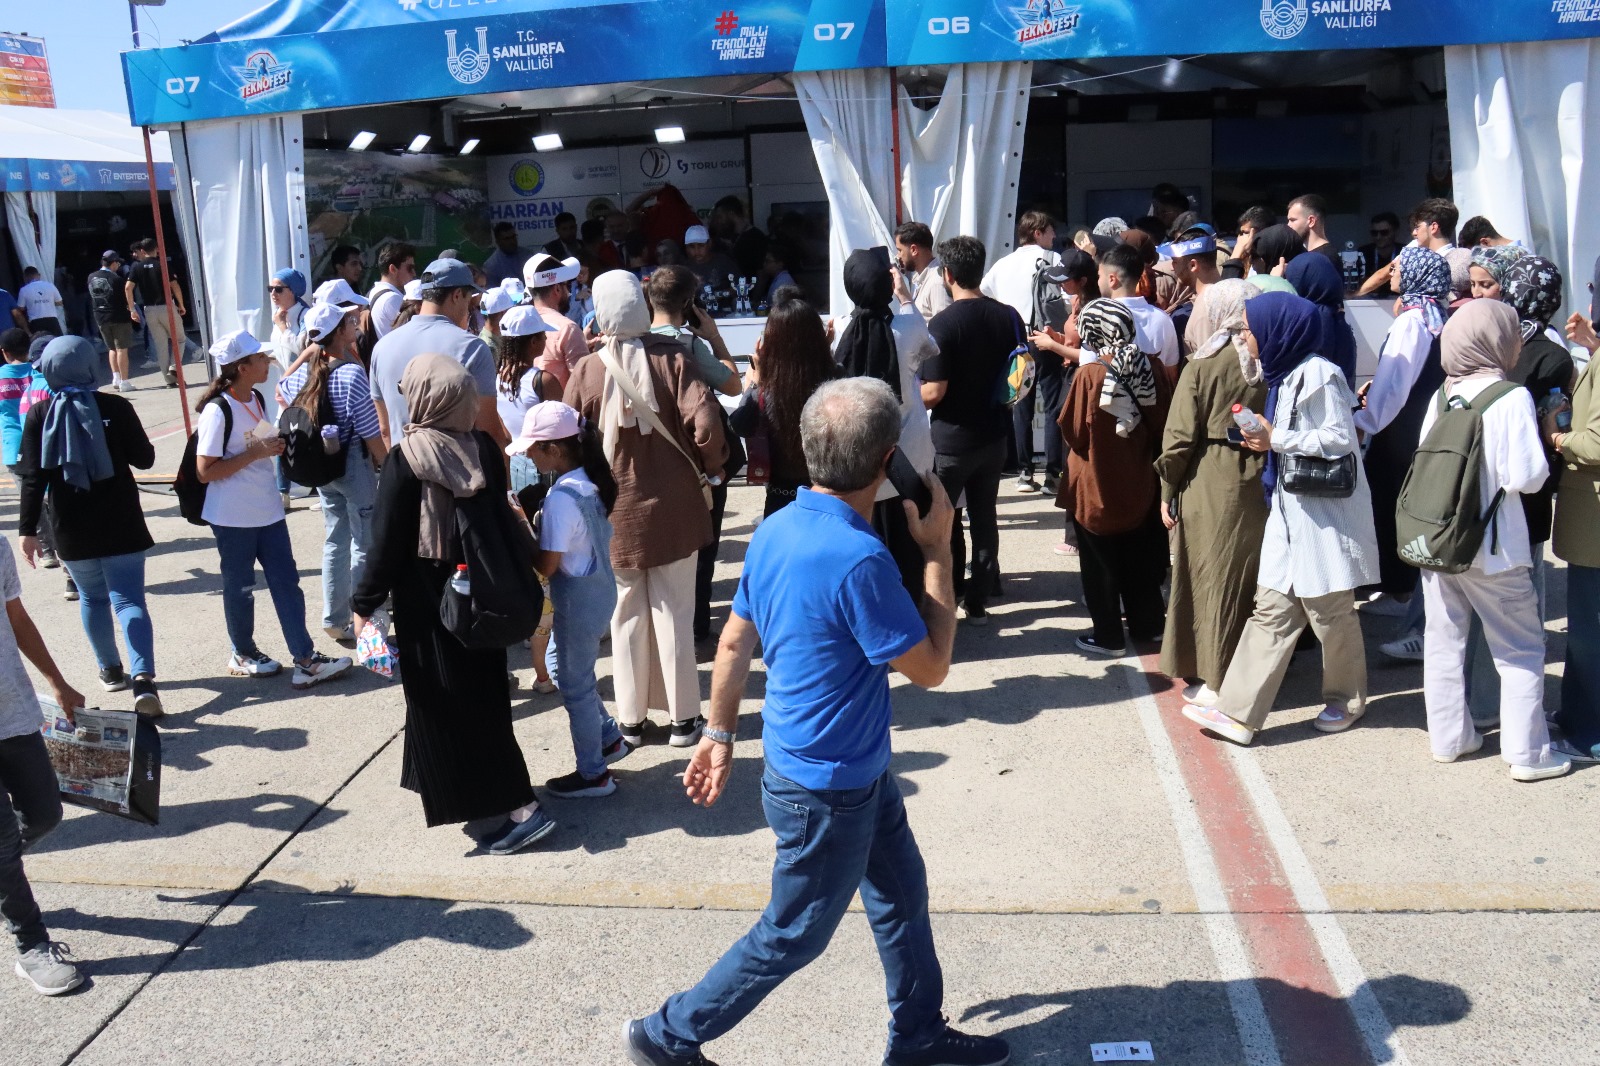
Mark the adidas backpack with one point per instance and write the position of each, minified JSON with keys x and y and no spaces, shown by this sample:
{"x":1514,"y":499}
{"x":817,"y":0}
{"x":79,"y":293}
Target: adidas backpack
{"x":1438,"y":521}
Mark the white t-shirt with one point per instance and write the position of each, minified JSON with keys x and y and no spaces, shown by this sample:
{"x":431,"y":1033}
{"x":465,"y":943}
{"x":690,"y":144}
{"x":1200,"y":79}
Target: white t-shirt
{"x":1010,"y":280}
{"x":1153,"y":329}
{"x":39,"y":300}
{"x":562,"y":528}
{"x":19,"y":707}
{"x":385,"y":301}
{"x":249,"y":498}
{"x":513,"y":407}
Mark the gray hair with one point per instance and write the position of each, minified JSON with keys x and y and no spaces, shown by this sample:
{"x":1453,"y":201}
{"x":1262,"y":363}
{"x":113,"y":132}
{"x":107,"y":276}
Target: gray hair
{"x":846,"y":429}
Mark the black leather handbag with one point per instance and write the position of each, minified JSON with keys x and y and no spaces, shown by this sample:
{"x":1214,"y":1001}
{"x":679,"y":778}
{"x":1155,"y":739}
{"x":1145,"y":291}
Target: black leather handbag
{"x":1310,"y":475}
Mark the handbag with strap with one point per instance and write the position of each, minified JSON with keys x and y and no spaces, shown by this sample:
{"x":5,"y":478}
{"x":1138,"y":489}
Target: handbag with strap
{"x":643,"y":412}
{"x":1310,"y":475}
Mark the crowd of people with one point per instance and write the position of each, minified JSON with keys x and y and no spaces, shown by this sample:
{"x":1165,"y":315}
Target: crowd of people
{"x":1227,"y":482}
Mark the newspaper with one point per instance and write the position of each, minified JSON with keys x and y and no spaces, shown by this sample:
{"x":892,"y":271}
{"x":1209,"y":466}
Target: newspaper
{"x":93,"y":761}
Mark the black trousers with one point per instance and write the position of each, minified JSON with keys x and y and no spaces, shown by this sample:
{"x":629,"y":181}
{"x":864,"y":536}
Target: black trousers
{"x":30,"y":806}
{"x":1122,"y":572}
{"x":706,"y":564}
{"x":1047,"y":395}
{"x":977,"y":473}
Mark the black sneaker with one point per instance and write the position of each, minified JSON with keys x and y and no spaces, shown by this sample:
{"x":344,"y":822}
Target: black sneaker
{"x":955,"y":1048}
{"x":1052,"y":484}
{"x":576,"y":786}
{"x":48,"y":559}
{"x":71,"y":593}
{"x":642,"y":1051}
{"x":632,"y":735}
{"x":620,"y":749}
{"x":145,"y":699}
{"x":1094,"y":647}
{"x":686,"y":734}
{"x":113,"y":679}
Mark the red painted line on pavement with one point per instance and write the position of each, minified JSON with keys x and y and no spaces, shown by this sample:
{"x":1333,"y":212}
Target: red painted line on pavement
{"x":1311,"y":1022}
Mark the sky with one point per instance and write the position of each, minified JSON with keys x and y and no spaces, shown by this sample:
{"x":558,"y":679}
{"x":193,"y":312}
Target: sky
{"x":85,"y":38}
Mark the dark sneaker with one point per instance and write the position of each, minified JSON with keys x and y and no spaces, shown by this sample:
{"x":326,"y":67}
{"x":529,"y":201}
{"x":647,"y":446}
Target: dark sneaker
{"x":1052,"y":484}
{"x":113,"y":679}
{"x":71,"y":592}
{"x":632,"y":735}
{"x":955,"y":1048}
{"x":642,"y":1051}
{"x":1094,"y":647}
{"x":46,"y":968}
{"x":521,"y":834}
{"x":620,"y":749}
{"x":48,"y":559}
{"x":974,"y":616}
{"x":317,"y":669}
{"x":145,"y":699}
{"x":686,"y":734}
{"x":576,"y":786}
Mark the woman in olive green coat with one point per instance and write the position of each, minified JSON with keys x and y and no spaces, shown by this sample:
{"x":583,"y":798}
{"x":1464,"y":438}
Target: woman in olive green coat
{"x":1211,"y":498}
{"x":1575,"y":539}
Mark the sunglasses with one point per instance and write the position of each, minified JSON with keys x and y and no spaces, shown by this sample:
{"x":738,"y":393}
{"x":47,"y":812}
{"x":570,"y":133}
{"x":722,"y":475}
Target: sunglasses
{"x":276,"y":288}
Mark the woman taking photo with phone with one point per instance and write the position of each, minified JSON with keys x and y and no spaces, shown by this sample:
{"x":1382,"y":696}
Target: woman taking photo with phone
{"x":235,"y":443}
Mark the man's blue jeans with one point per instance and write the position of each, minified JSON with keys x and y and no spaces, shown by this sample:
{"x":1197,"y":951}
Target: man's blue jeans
{"x":347,"y":503}
{"x":113,"y":585}
{"x":829,"y":845}
{"x":240,"y":548}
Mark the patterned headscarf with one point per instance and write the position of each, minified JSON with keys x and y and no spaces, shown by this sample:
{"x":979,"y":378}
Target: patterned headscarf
{"x":1219,"y":317}
{"x":1130,"y":384}
{"x":1424,"y":285}
{"x":1533,"y":289}
{"x":1497,"y":262}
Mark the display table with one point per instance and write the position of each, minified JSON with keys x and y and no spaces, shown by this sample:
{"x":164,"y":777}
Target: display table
{"x":740,"y":335}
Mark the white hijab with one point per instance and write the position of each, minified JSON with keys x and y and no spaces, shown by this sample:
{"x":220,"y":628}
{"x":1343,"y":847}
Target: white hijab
{"x":622,"y":316}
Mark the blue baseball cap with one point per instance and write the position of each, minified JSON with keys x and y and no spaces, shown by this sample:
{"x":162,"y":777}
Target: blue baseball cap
{"x":448,"y":274}
{"x":1198,"y":239}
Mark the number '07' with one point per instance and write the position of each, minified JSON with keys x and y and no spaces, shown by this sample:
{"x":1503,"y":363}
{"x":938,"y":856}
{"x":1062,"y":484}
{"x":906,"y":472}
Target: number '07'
{"x":833,"y":31}
{"x":938,"y":27}
{"x":180,"y":86}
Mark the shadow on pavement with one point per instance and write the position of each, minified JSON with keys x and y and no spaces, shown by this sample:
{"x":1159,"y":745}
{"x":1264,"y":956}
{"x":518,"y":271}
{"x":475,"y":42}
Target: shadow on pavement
{"x":278,"y":812}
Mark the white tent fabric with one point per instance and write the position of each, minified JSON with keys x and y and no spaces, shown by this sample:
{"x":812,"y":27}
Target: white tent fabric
{"x":94,"y":136}
{"x":1525,"y":147}
{"x":246,"y":179}
{"x":848,"y":116}
{"x":962,"y":159}
{"x":36,"y":245}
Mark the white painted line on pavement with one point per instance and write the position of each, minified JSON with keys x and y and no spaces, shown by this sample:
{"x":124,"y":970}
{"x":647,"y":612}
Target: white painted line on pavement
{"x":1227,"y":945}
{"x":1383,"y":1043}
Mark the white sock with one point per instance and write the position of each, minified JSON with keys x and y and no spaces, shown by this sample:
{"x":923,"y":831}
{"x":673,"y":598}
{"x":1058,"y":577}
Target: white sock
{"x":116,"y":379}
{"x":522,"y":814}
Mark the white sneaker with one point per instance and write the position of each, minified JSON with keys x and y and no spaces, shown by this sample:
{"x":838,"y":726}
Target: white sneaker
{"x":1201,"y":695}
{"x":1553,"y":765}
{"x":317,"y":669}
{"x":347,"y":635}
{"x":1214,"y":720}
{"x":1472,"y":748}
{"x":1025,"y":483}
{"x":254,"y":664}
{"x":1407,"y":649}
{"x":1384,"y":605}
{"x":1335,"y":719}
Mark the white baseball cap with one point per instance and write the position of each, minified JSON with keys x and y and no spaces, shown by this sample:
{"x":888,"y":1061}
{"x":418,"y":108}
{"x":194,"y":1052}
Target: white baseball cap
{"x":696,"y":235}
{"x":322,"y":320}
{"x":412,"y":291}
{"x":545,"y":270}
{"x":497,"y":299}
{"x":524,"y":320}
{"x":338,"y":291}
{"x":549,"y":420}
{"x":233,"y":347}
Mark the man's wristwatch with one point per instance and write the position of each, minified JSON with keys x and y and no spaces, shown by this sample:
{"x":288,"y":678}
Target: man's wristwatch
{"x":721,"y":736}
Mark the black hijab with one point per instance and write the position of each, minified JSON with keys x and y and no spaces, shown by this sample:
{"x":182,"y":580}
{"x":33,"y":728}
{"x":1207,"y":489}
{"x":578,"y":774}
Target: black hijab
{"x":1275,"y":243}
{"x":867,"y":348}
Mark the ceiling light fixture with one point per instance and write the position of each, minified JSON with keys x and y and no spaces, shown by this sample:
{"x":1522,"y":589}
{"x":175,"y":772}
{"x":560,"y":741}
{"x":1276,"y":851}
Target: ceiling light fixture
{"x":547,"y":142}
{"x":418,"y":143}
{"x":469,"y":147}
{"x":362,"y":141}
{"x":669,"y":135}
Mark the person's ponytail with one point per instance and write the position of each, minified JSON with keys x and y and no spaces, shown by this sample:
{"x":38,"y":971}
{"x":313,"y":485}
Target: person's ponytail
{"x":224,"y":380}
{"x":597,"y":466}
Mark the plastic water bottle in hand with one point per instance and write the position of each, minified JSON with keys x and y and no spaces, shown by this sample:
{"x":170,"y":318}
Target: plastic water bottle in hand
{"x":330,"y":439}
{"x":460,"y":582}
{"x":1247,"y":420}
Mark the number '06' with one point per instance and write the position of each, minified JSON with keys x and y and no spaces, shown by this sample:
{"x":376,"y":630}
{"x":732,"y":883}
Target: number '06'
{"x":938,"y":27}
{"x":833,"y":31}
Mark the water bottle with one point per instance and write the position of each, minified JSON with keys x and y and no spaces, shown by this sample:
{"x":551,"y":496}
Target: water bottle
{"x":330,"y":439}
{"x":1246,"y":419}
{"x":459,"y":582}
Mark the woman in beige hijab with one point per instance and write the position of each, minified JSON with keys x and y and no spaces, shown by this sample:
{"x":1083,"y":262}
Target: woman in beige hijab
{"x":662,"y":432}
{"x":460,"y":754}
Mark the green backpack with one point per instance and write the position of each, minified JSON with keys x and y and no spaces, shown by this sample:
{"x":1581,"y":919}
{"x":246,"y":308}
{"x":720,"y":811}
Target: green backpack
{"x":1438,"y":525}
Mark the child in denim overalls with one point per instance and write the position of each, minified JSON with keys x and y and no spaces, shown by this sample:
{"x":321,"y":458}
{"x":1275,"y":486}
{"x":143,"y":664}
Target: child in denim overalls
{"x":575,"y":555}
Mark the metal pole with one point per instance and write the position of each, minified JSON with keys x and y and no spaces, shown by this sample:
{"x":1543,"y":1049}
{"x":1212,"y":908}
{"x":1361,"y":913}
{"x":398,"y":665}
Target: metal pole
{"x":894,"y":119}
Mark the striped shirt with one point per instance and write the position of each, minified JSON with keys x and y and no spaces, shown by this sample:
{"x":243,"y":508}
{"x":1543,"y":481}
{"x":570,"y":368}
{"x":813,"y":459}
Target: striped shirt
{"x":351,"y":396}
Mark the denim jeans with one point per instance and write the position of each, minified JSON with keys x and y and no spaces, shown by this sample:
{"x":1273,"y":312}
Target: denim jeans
{"x":30,"y":806}
{"x":583,"y":607}
{"x":114,"y":586}
{"x":347,"y":503}
{"x":829,"y":845}
{"x":241,"y":547}
{"x":1580,"y":682}
{"x":523,"y":473}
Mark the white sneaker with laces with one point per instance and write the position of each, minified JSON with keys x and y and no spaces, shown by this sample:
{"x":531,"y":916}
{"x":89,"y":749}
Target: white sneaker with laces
{"x":252,"y":664}
{"x":317,"y":669}
{"x":46,"y":968}
{"x":1407,"y":649}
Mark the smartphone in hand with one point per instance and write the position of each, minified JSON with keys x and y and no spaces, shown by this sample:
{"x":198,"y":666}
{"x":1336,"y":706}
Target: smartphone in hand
{"x":909,"y":484}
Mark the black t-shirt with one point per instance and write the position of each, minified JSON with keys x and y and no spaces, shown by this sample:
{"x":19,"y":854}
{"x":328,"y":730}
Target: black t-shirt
{"x":146,"y":278}
{"x":1542,"y":366}
{"x":1331,"y":254}
{"x":109,"y":297}
{"x":976,"y":338}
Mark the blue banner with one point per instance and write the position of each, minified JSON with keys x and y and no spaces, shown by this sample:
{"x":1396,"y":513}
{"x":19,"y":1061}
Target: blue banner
{"x":981,"y":31}
{"x":338,"y":53}
{"x":63,"y":175}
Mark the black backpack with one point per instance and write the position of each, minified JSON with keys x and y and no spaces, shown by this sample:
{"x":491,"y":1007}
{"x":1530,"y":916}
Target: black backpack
{"x":187,"y":486}
{"x":506,"y":599}
{"x":304,"y":457}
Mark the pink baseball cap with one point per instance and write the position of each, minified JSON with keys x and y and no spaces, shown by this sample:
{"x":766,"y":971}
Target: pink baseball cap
{"x":550,"y":420}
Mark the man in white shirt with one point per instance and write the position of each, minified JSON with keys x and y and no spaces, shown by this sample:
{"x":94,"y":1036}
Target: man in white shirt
{"x":1011,"y":281}
{"x":919,"y":277}
{"x":41,"y":302}
{"x":1120,"y":270}
{"x":397,"y":265}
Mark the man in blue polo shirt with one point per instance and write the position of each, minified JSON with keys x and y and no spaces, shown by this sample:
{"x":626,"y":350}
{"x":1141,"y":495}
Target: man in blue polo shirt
{"x":824,"y":596}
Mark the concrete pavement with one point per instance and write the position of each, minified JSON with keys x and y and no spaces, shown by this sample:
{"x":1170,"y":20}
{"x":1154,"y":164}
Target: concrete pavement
{"x":1099,"y":871}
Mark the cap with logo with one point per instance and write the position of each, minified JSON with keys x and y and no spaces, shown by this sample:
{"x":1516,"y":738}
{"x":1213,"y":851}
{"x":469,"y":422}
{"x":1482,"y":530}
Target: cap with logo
{"x":1198,"y":239}
{"x":549,"y":420}
{"x":545,"y":270}
{"x":696,"y":235}
{"x":448,"y":274}
{"x":1075,"y":264}
{"x":338,"y":291}
{"x":524,"y":320}
{"x":322,"y":320}
{"x":233,"y":347}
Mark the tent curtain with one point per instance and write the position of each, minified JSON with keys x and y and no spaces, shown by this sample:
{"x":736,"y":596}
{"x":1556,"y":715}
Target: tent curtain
{"x":962,"y":158}
{"x":1515,"y":166}
{"x":36,"y":247}
{"x":847,"y":114}
{"x":245,"y":180}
